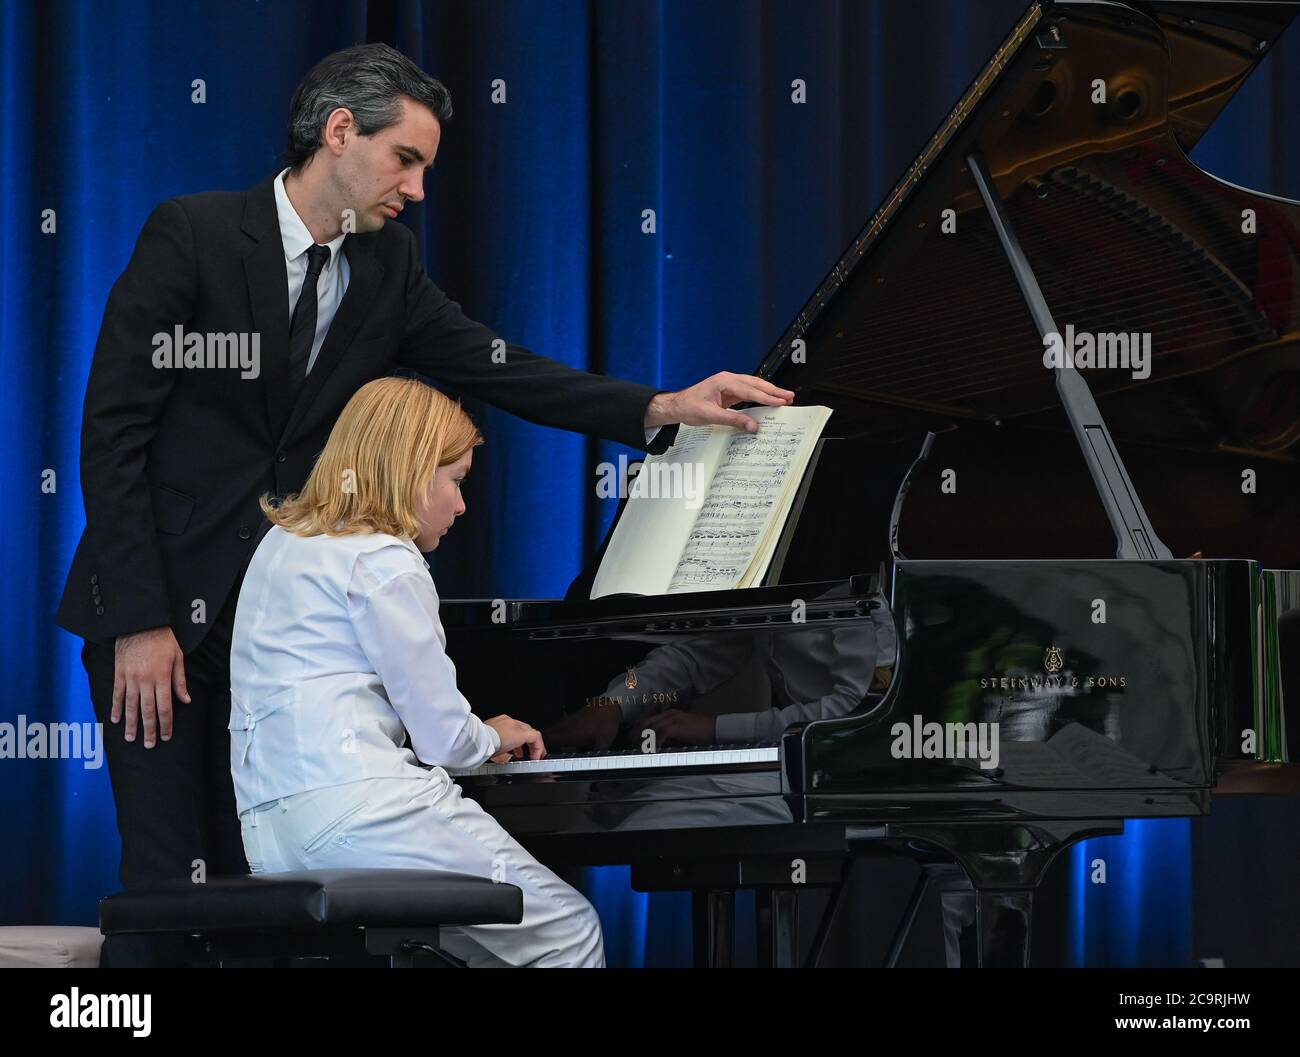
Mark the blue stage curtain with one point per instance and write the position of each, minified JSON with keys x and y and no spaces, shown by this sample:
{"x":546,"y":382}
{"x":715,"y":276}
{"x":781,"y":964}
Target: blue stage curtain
{"x":533,"y":219}
{"x":99,"y":127}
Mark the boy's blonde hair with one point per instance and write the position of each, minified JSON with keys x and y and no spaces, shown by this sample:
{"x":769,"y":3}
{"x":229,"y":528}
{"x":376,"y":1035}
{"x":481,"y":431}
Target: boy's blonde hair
{"x":378,"y":462}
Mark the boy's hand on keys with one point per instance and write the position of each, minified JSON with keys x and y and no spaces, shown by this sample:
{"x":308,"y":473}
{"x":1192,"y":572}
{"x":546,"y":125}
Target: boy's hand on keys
{"x":519,"y":741}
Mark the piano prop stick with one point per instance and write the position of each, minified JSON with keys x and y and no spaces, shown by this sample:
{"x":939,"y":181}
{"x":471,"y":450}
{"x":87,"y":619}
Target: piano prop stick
{"x":1133,"y":532}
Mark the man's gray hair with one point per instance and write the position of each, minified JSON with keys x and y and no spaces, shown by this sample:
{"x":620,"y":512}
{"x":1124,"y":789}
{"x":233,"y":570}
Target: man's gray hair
{"x":369,"y":80}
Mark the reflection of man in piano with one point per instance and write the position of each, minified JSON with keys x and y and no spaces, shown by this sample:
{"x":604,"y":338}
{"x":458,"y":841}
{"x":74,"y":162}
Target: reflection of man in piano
{"x":814,"y":673}
{"x":345,"y":709}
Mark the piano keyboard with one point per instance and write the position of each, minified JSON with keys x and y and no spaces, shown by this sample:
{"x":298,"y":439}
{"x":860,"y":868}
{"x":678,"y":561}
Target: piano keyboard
{"x":703,"y":756}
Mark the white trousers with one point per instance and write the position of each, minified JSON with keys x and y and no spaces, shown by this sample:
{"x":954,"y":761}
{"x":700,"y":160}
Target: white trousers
{"x":425,"y":824}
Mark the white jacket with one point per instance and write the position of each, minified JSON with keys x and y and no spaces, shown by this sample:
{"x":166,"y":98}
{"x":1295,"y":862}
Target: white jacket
{"x":337,"y":654}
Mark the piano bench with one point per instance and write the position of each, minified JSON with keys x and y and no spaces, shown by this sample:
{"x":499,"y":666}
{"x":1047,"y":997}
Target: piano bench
{"x":341,"y":914}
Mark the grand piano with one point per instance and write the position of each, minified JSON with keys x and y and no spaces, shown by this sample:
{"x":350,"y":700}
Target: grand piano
{"x":1019,"y":602}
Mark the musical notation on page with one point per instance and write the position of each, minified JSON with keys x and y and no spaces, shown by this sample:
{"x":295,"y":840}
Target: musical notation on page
{"x":745,"y":488}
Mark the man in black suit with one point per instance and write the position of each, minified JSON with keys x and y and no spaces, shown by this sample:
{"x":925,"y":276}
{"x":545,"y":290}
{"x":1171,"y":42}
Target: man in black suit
{"x":206,"y":392}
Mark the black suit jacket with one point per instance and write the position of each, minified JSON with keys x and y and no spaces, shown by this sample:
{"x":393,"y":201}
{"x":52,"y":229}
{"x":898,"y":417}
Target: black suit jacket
{"x":173,"y":460}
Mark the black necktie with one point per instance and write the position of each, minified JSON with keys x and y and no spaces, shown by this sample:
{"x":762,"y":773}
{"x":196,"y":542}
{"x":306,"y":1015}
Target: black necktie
{"x":302,"y":327}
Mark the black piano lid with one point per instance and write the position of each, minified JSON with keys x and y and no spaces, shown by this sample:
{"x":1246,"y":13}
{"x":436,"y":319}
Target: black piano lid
{"x":914,"y":329}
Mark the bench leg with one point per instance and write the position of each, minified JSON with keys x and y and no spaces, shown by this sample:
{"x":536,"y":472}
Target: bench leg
{"x":401,"y":946}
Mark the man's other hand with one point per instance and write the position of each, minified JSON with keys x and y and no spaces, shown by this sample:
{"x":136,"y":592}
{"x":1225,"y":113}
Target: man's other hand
{"x":706,"y":402}
{"x":678,"y":727}
{"x":148,"y":667}
{"x":592,"y":727}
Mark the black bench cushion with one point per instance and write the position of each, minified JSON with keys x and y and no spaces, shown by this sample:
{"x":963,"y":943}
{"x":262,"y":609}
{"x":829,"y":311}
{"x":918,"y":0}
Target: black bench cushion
{"x":311,"y":899}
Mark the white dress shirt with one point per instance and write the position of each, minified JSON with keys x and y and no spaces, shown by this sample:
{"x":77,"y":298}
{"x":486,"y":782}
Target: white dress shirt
{"x":337,"y":655}
{"x":333,"y":281}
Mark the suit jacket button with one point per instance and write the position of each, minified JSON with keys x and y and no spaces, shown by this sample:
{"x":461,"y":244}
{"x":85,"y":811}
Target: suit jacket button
{"x":94,"y":578}
{"x":280,"y":456}
{"x":99,"y":611}
{"x":245,"y":532}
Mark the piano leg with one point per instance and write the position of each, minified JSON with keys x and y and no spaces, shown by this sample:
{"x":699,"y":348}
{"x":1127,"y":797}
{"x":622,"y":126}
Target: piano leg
{"x":713,"y":885}
{"x":988,"y":917}
{"x":713,"y":921}
{"x":954,"y":886}
{"x":1002,"y":922}
{"x":776,"y":930}
{"x":985,"y":928}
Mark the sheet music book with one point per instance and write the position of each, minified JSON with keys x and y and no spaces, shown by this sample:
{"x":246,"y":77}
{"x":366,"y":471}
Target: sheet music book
{"x":784,"y":541}
{"x":707,"y":514}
